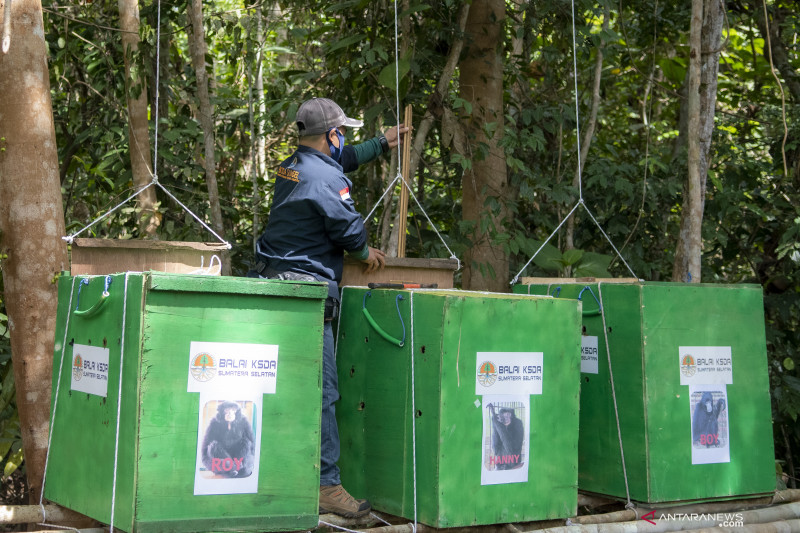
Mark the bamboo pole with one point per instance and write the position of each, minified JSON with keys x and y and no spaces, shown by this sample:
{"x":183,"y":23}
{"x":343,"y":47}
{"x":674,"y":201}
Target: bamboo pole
{"x":402,"y":208}
{"x":29,"y":514}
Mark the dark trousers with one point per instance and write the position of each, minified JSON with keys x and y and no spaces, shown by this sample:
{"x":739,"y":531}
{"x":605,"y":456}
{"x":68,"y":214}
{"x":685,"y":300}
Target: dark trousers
{"x":329,"y":450}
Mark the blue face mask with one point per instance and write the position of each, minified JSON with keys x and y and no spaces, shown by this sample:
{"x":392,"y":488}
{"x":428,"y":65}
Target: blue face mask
{"x":336,"y":153}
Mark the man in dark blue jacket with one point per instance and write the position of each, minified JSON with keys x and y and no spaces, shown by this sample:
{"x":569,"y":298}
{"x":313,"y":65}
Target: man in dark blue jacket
{"x":312,"y":223}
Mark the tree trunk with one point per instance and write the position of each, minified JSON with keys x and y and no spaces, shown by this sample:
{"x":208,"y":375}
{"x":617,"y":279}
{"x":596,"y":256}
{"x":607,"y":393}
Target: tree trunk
{"x":701,"y":97}
{"x":588,"y":134}
{"x":138,"y":132}
{"x":31,"y":226}
{"x":197,"y":45}
{"x":481,"y":84}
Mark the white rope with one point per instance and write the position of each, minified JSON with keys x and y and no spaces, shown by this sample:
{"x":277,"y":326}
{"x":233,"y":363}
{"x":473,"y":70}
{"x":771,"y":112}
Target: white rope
{"x":580,"y":178}
{"x":577,"y":116}
{"x":413,"y":413}
{"x":399,"y":175}
{"x":71,"y":238}
{"x":387,"y":191}
{"x":339,"y":527}
{"x":55,"y":402}
{"x":411,"y":193}
{"x":209,"y":270}
{"x":397,"y":85}
{"x":609,"y":242}
{"x":513,"y":281}
{"x":119,"y":403}
{"x":220,"y":239}
{"x":452,"y":255}
{"x":154,"y":175}
{"x":629,"y":505}
{"x":158,"y":78}
{"x":376,"y":517}
{"x":580,"y":203}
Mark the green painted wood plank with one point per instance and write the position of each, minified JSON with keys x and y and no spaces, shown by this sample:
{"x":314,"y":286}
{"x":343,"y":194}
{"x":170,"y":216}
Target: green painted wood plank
{"x":159,"y":418}
{"x":646,"y":324}
{"x":236,"y":285}
{"x":451,"y":327}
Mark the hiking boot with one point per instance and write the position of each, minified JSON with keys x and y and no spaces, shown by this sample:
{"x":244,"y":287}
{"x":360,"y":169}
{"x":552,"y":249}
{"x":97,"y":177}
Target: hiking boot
{"x":334,"y":499}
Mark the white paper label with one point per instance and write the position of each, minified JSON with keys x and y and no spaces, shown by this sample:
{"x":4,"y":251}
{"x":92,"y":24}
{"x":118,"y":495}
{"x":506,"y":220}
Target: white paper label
{"x":710,"y":432}
{"x":509,"y":373}
{"x":589,"y":354}
{"x":506,"y":439}
{"x":90,"y":370}
{"x":705,"y":365}
{"x":228,"y":445}
{"x":218,"y":367}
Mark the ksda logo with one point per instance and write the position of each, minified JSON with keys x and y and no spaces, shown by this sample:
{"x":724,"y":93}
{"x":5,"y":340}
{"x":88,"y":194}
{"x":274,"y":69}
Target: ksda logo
{"x":203,"y":367}
{"x":487,"y":374}
{"x":688,"y":366}
{"x":77,"y":367}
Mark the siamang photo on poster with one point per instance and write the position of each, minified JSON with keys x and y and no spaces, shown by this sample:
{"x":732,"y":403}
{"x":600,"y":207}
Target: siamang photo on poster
{"x":228,"y":448}
{"x":508,"y":433}
{"x":705,"y":421}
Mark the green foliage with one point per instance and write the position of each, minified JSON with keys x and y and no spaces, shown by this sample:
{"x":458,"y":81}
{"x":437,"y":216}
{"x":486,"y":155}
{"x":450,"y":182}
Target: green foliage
{"x":631,"y":182}
{"x":579,"y":262}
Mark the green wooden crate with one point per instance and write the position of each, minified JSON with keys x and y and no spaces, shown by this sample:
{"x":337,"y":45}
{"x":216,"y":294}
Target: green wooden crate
{"x":464,"y":347}
{"x":181,"y":346}
{"x":662,"y":337}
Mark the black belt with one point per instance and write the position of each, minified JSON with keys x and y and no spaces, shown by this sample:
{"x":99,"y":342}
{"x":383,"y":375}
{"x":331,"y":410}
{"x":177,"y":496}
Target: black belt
{"x":331,"y":304}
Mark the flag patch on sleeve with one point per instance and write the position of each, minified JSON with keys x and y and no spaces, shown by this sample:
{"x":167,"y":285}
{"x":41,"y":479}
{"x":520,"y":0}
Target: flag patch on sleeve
{"x":345,"y":193}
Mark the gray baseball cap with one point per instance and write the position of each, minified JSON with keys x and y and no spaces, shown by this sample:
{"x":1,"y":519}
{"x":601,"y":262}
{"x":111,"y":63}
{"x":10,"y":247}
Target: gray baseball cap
{"x":319,"y":115}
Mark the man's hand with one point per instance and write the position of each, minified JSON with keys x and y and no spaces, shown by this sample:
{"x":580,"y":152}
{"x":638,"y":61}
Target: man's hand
{"x":376,"y":260}
{"x":391,"y":134}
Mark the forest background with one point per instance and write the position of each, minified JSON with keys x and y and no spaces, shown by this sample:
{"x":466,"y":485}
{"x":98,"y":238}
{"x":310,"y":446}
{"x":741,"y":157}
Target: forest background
{"x":495,"y":159}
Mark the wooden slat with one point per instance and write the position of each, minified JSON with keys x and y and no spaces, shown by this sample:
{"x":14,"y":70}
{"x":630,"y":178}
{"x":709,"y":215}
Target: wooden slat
{"x":110,"y":256}
{"x":402,"y":269}
{"x":402,"y":208}
{"x":543,"y":281}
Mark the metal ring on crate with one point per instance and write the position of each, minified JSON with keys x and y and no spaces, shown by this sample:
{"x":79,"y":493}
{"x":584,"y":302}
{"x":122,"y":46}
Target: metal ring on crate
{"x":377,"y":328}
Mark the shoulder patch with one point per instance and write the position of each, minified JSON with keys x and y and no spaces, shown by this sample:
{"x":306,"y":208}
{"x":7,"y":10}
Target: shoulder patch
{"x":289,"y":174}
{"x":345,"y":193}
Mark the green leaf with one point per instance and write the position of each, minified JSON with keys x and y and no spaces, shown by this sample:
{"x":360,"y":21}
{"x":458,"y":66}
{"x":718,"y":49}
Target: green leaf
{"x":13,"y":463}
{"x":672,"y":69}
{"x":571,"y":257}
{"x":548,"y":258}
{"x":387,"y":75}
{"x":594,"y":265}
{"x":715,"y":180}
{"x":344,"y":43}
{"x":792,"y":382}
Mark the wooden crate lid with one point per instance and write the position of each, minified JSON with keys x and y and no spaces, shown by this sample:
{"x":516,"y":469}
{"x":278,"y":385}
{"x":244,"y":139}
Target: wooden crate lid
{"x":567,"y":281}
{"x":412,"y":262}
{"x":149,"y":245}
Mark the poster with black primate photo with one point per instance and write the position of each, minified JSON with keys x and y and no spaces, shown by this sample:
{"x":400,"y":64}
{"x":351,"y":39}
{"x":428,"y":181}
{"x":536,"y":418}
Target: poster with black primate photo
{"x":506,"y":443}
{"x":228,"y":446}
{"x":710,"y":431}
